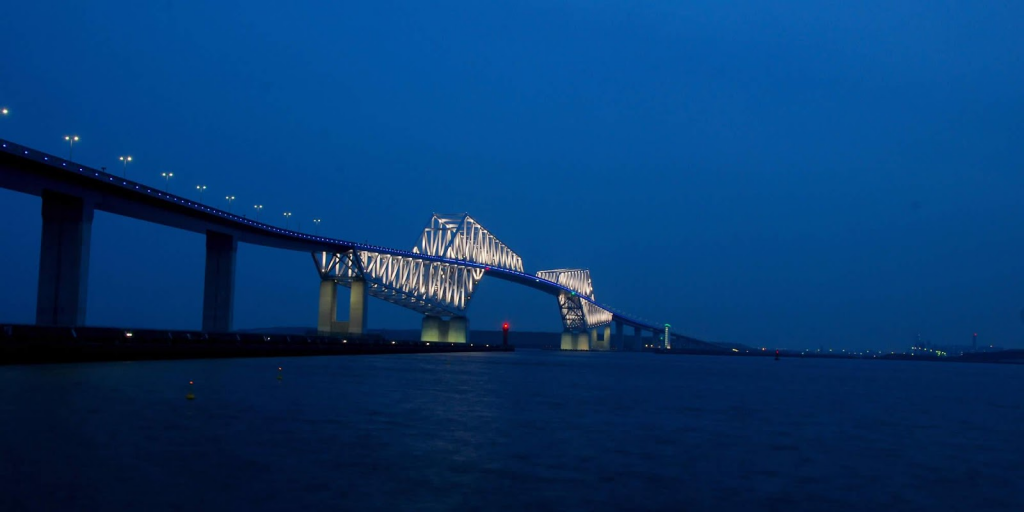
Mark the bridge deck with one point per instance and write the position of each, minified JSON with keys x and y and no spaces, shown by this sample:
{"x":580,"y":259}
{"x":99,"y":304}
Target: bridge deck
{"x":30,"y":171}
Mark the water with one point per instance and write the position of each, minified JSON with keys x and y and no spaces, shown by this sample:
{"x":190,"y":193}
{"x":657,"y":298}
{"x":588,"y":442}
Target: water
{"x":530,"y":430}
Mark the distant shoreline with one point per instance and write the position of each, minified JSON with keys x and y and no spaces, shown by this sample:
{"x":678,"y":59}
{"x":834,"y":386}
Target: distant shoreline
{"x":1001,"y":357}
{"x":26,"y":344}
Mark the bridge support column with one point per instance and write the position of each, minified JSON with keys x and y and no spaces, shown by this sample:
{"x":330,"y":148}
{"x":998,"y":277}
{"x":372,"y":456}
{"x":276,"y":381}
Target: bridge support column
{"x":357,"y":307}
{"x":436,"y":328}
{"x":63,"y":260}
{"x":432,"y":329}
{"x":638,"y":339}
{"x":568,"y":343}
{"x":328,"y":312}
{"x":600,"y":343}
{"x":606,"y":340}
{"x":618,"y":341}
{"x":582,"y":341}
{"x":219,"y":286}
{"x":458,"y":329}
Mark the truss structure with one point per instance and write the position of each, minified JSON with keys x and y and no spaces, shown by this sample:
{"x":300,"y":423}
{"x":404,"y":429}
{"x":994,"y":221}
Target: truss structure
{"x":459,"y":237}
{"x":578,"y":313}
{"x":429,"y":287}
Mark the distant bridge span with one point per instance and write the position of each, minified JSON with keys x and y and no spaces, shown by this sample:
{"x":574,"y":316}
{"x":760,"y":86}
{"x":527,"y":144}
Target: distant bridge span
{"x":71,"y":192}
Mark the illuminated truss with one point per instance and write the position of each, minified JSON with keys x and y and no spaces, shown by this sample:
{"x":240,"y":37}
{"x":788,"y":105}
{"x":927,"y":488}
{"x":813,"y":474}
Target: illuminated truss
{"x":577,"y":313}
{"x":459,"y":237}
{"x":429,"y":287}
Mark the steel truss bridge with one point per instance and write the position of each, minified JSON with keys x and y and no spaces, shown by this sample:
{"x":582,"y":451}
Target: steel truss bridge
{"x":437,"y":277}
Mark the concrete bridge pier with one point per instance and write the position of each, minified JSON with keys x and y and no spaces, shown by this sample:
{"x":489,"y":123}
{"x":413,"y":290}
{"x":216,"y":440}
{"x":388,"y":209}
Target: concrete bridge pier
{"x":578,"y":340}
{"x":357,"y":307}
{"x":582,"y":341}
{"x":63,"y":260}
{"x":432,"y":328}
{"x":638,"y":339}
{"x":618,"y":341}
{"x":219,"y":283}
{"x":327,"y":314}
{"x":602,"y":343}
{"x":458,"y":329}
{"x":435,"y":328}
{"x":568,"y":341}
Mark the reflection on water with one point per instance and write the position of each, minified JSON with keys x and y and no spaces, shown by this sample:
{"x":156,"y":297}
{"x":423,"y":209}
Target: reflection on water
{"x":548,"y":430}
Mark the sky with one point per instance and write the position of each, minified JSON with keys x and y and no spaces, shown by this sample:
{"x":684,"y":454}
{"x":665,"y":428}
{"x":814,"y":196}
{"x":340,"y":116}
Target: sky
{"x":788,"y":174}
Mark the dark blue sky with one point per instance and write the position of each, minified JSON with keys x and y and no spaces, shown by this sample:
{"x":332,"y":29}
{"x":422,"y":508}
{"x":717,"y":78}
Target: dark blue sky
{"x":772,"y":173}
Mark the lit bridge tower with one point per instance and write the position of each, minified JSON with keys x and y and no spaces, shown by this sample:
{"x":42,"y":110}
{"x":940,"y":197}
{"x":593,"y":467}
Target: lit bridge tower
{"x":581,"y":317}
{"x":428,"y":279}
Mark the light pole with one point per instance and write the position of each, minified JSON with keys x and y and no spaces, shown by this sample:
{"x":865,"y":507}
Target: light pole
{"x":316,"y":226}
{"x":167,"y":180}
{"x":258,"y":207}
{"x":200,"y":188}
{"x":72,"y":139}
{"x":229,"y":198}
{"x":287,"y":217}
{"x":125,"y":160}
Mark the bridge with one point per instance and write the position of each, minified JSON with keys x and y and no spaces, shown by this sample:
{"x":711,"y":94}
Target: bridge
{"x":437,"y":277}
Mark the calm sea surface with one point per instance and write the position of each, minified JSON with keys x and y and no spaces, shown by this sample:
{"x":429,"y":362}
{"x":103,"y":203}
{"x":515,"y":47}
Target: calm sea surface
{"x":531,"y":430}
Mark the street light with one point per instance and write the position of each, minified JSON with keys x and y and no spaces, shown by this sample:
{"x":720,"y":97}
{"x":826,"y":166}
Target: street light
{"x":3,"y":111}
{"x":200,"y":188}
{"x":72,"y":139}
{"x":125,"y":160}
{"x":258,"y":208}
{"x":316,"y":226}
{"x":229,"y":198}
{"x":287,"y":217}
{"x":167,"y":180}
